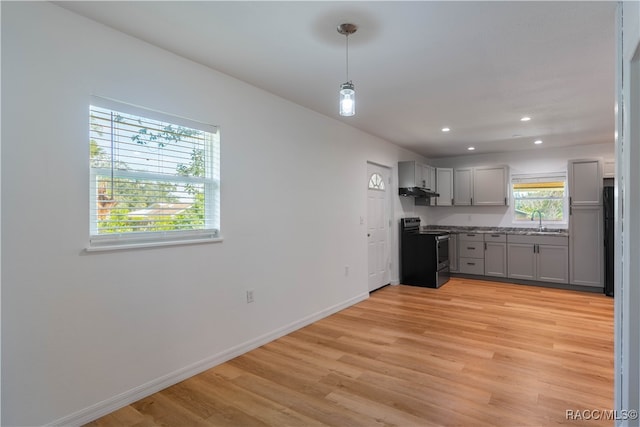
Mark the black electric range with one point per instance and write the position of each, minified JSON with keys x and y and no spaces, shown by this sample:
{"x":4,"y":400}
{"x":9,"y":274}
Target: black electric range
{"x":424,"y":255}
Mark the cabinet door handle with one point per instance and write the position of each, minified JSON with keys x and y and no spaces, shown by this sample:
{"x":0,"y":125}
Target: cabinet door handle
{"x":485,"y":246}
{"x":451,"y":202}
{"x":505,"y":201}
{"x":471,"y":202}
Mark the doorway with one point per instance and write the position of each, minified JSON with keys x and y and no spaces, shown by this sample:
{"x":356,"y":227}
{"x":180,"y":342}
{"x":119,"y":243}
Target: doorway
{"x":378,"y":225}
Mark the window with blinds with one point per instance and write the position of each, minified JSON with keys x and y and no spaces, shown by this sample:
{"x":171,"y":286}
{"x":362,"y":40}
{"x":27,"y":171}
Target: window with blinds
{"x":154,"y":178}
{"x":545,"y":194}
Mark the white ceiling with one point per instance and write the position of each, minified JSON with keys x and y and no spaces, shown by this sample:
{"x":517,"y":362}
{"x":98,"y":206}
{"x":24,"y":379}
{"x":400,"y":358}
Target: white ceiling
{"x":476,"y":67}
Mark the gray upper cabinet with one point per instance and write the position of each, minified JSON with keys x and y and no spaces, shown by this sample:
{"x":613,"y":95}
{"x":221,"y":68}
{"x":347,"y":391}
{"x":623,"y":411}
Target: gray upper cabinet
{"x":490,"y":186}
{"x":463,"y":187}
{"x":414,"y":174}
{"x":410,"y":174}
{"x":429,"y":177}
{"x":585,"y":182}
{"x":609,"y":169}
{"x":481,"y":186}
{"x":444,"y":186}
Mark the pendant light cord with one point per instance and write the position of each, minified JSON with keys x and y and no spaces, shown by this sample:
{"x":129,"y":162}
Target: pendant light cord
{"x":347,"y":35}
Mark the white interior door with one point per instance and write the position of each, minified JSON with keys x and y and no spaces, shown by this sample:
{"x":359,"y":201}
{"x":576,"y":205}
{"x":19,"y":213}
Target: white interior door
{"x":378,"y":225}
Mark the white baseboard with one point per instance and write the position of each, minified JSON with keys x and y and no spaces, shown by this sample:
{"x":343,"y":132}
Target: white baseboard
{"x":114,"y":403}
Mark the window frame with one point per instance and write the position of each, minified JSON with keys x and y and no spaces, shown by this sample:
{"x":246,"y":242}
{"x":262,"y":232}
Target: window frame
{"x":541,"y":177}
{"x":127,"y":240}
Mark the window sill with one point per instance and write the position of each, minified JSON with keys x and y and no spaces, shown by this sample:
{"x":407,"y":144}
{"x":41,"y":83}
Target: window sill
{"x":142,"y":245}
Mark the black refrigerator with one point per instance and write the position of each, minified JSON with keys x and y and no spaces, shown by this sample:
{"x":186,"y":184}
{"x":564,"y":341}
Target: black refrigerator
{"x":609,"y":233}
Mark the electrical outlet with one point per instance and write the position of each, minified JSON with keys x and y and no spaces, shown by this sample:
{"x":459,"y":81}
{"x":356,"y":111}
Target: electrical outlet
{"x":250,"y":296}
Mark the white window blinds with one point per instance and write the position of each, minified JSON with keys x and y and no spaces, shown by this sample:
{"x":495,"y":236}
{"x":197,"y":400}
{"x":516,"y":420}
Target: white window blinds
{"x":153,"y":178}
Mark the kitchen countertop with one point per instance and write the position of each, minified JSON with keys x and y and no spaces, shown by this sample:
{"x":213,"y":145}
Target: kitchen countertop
{"x":561,"y":232}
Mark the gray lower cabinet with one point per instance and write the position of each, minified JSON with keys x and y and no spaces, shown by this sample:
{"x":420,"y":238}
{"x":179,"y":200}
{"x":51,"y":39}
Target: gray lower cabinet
{"x":552,"y":264}
{"x":586,"y":266}
{"x":453,"y":253}
{"x":521,"y":261}
{"x":586,"y":246}
{"x":516,"y":256}
{"x":495,"y":255}
{"x":541,"y":258}
{"x":471,"y":253}
{"x":471,"y":266}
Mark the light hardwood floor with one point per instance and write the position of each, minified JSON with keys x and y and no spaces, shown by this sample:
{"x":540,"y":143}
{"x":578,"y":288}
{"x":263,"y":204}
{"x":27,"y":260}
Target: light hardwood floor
{"x":472,"y":353}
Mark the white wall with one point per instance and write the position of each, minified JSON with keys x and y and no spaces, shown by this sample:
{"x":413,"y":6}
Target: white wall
{"x":531,"y":161}
{"x":627,"y":273}
{"x":84,"y":333}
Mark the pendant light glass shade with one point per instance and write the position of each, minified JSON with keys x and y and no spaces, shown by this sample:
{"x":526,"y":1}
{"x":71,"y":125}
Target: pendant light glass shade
{"x":347,"y":99}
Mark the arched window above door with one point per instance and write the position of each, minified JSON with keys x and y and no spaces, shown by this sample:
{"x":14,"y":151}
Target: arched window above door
{"x":376,"y":182}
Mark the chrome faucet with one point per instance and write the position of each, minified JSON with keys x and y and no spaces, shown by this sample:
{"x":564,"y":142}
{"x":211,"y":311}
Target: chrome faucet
{"x":539,"y":216}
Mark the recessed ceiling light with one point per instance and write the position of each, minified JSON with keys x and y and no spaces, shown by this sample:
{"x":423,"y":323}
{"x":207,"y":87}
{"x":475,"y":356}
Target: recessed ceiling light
{"x":445,"y":129}
{"x":537,"y":142}
{"x":471,"y":148}
{"x":525,"y":119}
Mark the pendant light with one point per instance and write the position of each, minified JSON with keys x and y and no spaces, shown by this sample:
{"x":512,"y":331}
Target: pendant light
{"x":347,"y":92}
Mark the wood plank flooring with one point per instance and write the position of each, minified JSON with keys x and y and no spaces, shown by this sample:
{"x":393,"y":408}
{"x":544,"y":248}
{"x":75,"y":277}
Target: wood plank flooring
{"x":472,"y":353}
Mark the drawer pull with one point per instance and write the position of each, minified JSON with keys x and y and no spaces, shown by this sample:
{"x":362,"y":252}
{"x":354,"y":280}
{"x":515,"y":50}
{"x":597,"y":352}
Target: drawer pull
{"x":471,"y":263}
{"x":471,"y":248}
{"x":495,"y":235}
{"x":471,"y":235}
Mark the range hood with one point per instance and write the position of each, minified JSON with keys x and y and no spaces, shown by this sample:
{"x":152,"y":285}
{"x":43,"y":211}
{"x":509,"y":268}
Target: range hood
{"x":417,"y":192}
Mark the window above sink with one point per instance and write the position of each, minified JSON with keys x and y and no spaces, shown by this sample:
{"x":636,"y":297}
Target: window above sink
{"x":539,"y":199}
